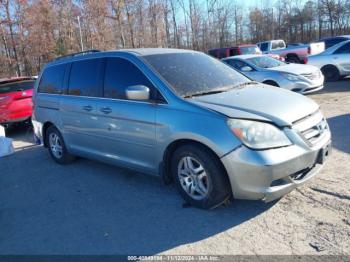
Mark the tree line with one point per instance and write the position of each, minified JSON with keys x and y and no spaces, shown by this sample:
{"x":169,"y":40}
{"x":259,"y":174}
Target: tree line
{"x":33,"y":32}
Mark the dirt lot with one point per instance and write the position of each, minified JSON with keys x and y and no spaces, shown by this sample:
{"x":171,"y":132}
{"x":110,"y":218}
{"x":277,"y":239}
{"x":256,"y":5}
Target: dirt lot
{"x":93,"y":208}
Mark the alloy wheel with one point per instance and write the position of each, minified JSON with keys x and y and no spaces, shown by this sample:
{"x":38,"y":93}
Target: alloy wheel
{"x":193,"y":178}
{"x":55,"y":145}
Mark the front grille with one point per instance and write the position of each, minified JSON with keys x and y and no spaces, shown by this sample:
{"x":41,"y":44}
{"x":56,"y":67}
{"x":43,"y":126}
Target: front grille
{"x":312,"y":76}
{"x":312,"y":128}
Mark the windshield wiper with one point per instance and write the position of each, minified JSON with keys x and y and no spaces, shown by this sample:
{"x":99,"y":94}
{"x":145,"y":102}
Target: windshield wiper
{"x":241,"y":85}
{"x":221,"y":90}
{"x":215,"y":91}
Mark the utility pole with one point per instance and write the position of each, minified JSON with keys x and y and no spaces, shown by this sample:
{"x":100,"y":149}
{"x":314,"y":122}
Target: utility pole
{"x":80,"y":34}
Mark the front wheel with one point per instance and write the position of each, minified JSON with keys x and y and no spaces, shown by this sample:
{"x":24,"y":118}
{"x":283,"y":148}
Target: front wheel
{"x":199,"y":176}
{"x":331,"y":73}
{"x":57,"y":147}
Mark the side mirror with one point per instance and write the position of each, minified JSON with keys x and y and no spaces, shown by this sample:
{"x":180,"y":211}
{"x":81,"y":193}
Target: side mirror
{"x":137,"y":92}
{"x":246,"y":69}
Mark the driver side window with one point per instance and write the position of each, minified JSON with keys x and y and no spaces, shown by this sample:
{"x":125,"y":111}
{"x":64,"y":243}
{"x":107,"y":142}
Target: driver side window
{"x":120,"y":74}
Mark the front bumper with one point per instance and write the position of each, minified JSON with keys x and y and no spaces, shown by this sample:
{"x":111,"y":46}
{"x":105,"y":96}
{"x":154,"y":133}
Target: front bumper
{"x":303,"y":87}
{"x":271,"y":174}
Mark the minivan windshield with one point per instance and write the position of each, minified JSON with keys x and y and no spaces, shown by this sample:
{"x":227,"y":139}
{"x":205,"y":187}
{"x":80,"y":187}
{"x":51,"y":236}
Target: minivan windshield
{"x":195,"y":73}
{"x":265,"y":62}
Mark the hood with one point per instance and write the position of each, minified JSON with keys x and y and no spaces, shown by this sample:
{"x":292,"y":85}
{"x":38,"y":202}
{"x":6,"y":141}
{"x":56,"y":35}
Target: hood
{"x":295,"y":69}
{"x":260,"y":102}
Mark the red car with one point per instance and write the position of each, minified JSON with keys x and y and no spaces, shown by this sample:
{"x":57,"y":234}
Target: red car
{"x":16,"y":100}
{"x":234,"y":50}
{"x":238,"y":50}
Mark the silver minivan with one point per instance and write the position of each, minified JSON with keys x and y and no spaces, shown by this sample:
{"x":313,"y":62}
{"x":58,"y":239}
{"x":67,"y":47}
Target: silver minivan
{"x":184,"y":116}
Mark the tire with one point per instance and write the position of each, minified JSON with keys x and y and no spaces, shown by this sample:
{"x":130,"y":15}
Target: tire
{"x":57,"y":147}
{"x":293,"y":59}
{"x":211,"y":186}
{"x":331,"y":73}
{"x":271,"y":83}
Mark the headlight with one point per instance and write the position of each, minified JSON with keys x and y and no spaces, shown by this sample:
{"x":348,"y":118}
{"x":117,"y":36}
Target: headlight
{"x":258,"y":135}
{"x":291,"y":77}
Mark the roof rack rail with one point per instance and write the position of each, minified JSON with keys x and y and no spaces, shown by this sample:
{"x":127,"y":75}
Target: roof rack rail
{"x":78,"y":54}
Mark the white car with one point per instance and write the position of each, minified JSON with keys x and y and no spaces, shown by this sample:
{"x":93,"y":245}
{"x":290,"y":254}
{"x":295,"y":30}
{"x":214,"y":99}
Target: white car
{"x":334,"y":62}
{"x":262,"y":68}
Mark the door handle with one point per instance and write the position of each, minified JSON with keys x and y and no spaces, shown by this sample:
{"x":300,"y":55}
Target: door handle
{"x":87,"y":108}
{"x":105,"y":110}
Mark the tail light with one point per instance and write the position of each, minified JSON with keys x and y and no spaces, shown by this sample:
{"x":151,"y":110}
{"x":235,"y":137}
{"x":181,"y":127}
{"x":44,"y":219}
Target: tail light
{"x":239,"y":52}
{"x":305,"y":60}
{"x":309,"y":50}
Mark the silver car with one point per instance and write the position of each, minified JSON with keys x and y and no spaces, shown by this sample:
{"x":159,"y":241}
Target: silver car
{"x":184,"y":116}
{"x":265,"y":69}
{"x":334,"y":62}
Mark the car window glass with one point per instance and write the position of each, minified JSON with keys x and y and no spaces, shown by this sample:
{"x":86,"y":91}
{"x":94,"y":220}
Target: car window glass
{"x":236,"y":63}
{"x":233,"y":51}
{"x":264,"y":47}
{"x":51,"y":80}
{"x":277,"y":45}
{"x":16,"y":86}
{"x":249,"y":50}
{"x":84,"y":79}
{"x":265,"y":62}
{"x":191,"y":73}
{"x":345,"y":49}
{"x":120,"y":74}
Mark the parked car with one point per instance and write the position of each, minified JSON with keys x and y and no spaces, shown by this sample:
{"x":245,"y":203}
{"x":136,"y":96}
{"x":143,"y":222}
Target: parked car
{"x":331,"y":41}
{"x":294,"y":54}
{"x":262,"y":68}
{"x":15,"y":100}
{"x":234,"y":50}
{"x":334,"y":62}
{"x":184,"y":116}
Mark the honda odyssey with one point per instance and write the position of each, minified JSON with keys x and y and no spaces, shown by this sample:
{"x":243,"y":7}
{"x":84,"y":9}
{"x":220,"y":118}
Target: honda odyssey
{"x":184,"y":116}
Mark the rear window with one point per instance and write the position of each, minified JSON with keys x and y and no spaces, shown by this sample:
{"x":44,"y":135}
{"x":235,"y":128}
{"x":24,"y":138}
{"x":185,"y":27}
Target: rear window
{"x":51,"y":80}
{"x":277,"y":45}
{"x":16,"y":86}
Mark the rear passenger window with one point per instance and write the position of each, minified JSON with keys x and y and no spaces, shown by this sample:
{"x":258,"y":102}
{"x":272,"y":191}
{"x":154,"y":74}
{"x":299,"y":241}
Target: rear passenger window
{"x":52,"y":79}
{"x":345,"y":49}
{"x":119,"y":74}
{"x":84,"y":79}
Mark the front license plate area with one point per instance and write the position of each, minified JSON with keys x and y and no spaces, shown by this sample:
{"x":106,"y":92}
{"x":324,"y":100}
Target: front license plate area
{"x":324,"y":153}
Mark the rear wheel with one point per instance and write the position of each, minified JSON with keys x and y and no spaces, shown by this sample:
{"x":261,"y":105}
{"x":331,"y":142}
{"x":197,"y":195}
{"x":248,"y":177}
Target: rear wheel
{"x":199,"y":176}
{"x":57,"y":147}
{"x":293,"y":59}
{"x":331,"y":73}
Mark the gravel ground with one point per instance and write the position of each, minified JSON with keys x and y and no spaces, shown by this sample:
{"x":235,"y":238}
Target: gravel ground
{"x":93,"y":208}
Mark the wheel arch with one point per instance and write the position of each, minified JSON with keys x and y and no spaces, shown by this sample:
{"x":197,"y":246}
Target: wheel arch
{"x":44,"y":129}
{"x":173,"y":146}
{"x":274,"y":83}
{"x":292,"y":55}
